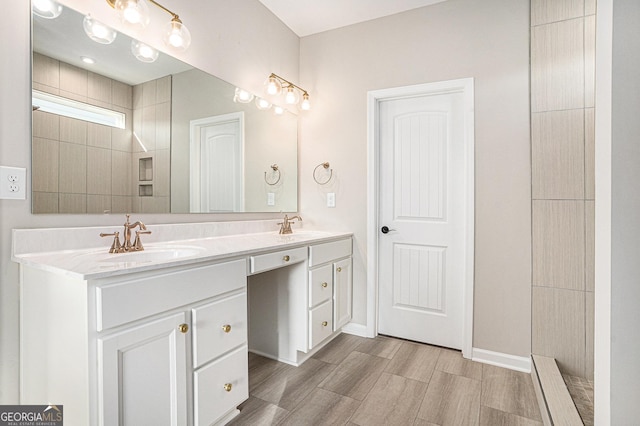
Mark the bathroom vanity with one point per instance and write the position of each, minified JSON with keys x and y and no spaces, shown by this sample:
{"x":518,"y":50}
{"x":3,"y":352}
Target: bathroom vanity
{"x":161,"y":336}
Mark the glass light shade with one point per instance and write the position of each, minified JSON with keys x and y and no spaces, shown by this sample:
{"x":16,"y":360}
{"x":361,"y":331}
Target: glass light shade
{"x":48,"y":9}
{"x":291,"y":96}
{"x":143,"y":52}
{"x":97,"y":31}
{"x":278,"y":110}
{"x":305,"y":105}
{"x":177,"y":35}
{"x":272,"y":86}
{"x":134,"y":12}
{"x":242,"y":96}
{"x":262,"y":103}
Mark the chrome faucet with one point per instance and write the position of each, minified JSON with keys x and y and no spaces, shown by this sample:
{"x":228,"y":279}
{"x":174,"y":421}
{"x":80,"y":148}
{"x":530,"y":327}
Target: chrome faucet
{"x":126,"y":245}
{"x":285,"y":225}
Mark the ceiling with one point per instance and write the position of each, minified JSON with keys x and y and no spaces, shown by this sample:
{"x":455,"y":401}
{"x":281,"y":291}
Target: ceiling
{"x":306,"y":17}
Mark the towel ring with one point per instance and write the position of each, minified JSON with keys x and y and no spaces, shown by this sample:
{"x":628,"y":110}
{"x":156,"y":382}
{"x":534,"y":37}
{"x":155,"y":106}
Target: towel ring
{"x":275,"y":168}
{"x":326,"y":166}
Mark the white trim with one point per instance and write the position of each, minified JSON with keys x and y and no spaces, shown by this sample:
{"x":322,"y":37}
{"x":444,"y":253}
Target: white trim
{"x":466,"y":86}
{"x":195,"y":127}
{"x":356,"y":329}
{"x":71,"y":108}
{"x":499,"y":359}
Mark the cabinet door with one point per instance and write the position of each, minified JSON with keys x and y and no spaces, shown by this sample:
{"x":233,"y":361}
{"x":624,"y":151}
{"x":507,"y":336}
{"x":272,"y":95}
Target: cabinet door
{"x":143,"y":373}
{"x":342,"y":291}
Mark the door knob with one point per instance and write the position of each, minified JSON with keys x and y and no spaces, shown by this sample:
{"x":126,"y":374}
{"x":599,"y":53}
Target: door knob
{"x":385,"y":229}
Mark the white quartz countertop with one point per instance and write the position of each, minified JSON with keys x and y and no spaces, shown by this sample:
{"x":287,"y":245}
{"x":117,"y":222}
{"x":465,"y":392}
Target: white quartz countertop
{"x":94,"y":263}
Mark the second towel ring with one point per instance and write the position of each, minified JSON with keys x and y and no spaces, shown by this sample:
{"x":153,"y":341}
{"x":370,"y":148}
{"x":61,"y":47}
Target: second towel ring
{"x":326,"y":166}
{"x":275,"y":169}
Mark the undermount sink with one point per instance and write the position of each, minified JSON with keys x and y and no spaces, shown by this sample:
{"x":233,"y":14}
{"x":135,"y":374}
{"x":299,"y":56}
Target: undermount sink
{"x":148,"y":255}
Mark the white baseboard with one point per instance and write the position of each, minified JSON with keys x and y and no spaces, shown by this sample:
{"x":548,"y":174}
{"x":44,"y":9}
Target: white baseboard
{"x":356,"y":329}
{"x":499,"y":359}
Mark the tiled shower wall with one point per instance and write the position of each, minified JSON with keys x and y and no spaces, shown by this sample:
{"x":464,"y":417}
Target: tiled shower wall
{"x":563,"y":189}
{"x":80,"y":167}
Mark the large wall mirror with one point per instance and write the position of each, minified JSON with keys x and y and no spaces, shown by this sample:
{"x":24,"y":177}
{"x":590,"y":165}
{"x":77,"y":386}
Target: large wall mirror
{"x":120,"y":135}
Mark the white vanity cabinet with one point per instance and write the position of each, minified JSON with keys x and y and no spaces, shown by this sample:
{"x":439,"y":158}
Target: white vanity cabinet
{"x":166,"y":347}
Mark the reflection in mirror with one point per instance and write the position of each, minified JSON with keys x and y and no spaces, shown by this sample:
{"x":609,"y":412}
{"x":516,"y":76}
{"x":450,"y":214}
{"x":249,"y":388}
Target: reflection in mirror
{"x":186,"y":146}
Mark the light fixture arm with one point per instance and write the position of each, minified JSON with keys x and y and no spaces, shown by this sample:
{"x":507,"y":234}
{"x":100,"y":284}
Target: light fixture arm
{"x":175,"y":18}
{"x":286,"y":83}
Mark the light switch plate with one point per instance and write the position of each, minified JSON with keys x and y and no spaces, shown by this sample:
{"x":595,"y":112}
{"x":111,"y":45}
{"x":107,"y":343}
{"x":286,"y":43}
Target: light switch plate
{"x":13,"y":183}
{"x":331,"y":199}
{"x":271,"y":199}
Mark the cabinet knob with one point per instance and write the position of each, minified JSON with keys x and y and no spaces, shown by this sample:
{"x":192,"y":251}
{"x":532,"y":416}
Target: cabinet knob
{"x":339,"y":269}
{"x":226,"y":328}
{"x":324,"y":323}
{"x":183,"y":328}
{"x":286,"y":258}
{"x":324,"y":285}
{"x":227,"y":387}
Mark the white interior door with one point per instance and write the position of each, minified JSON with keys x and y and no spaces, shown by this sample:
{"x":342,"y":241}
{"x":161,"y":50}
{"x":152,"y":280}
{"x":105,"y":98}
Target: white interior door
{"x":217,"y":164}
{"x":422,"y":218}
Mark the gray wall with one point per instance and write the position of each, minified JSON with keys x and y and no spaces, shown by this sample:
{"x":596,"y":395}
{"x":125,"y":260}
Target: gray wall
{"x":235,"y":42}
{"x":487,"y":40}
{"x":625,"y":214}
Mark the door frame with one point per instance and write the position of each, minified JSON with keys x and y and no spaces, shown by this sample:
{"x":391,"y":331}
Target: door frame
{"x":195,"y":128}
{"x":466,"y":87}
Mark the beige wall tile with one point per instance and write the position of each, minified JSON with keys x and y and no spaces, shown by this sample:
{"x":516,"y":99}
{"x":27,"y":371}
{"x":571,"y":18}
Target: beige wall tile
{"x":557,"y":154}
{"x":589,"y":154}
{"x":162,"y":173}
{"x":154,"y":205}
{"x":73,"y":168}
{"x":73,"y":203}
{"x":73,"y":131}
{"x":590,"y":245}
{"x":121,"y":94}
{"x":163,"y":89}
{"x":99,"y":88}
{"x":121,"y":138}
{"x":74,"y":96}
{"x":163,"y":125}
{"x":120,"y":204}
{"x":148,"y":135}
{"x":557,"y":66}
{"x":98,"y":135}
{"x":546,"y":11}
{"x":98,"y":204}
{"x":45,"y":88}
{"x":558,"y":327}
{"x":73,"y":79}
{"x":46,"y":70}
{"x":99,"y":163}
{"x":589,"y":7}
{"x":589,"y":61}
{"x":558,"y":244}
{"x":46,"y":125}
{"x":149,"y":94}
{"x":137,"y":96}
{"x":137,"y":130}
{"x":45,"y":202}
{"x":44,"y":161}
{"x":589,"y":325}
{"x":120,"y":173}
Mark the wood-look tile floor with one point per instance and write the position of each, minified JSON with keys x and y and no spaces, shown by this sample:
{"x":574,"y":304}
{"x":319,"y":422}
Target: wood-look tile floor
{"x":386,"y":381}
{"x":581,"y":391}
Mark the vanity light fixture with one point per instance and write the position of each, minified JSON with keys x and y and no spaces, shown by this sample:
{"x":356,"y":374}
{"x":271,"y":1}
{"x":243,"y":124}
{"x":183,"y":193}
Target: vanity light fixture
{"x":97,"y":31}
{"x":262,"y":103}
{"x":136,"y":12}
{"x":47,"y":9}
{"x":143,"y":52}
{"x":278,"y":110}
{"x":275,"y":85}
{"x":242,"y":96}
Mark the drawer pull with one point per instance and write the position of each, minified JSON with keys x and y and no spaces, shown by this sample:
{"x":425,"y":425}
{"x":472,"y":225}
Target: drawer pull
{"x":339,"y":269}
{"x":324,"y":323}
{"x":227,"y":387}
{"x":286,"y":258}
{"x":324,"y":285}
{"x":183,"y":328}
{"x":226,"y":328}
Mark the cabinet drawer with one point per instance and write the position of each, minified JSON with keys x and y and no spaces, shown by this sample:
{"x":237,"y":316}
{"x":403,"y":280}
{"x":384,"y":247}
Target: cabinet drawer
{"x":323,"y":253}
{"x":265,"y":262}
{"x":320,"y":285}
{"x":320,"y":323}
{"x":213,"y":397}
{"x":219,"y":327}
{"x":125,"y":301}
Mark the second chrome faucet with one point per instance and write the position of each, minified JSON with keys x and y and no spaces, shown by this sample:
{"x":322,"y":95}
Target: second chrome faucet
{"x":127,"y":245}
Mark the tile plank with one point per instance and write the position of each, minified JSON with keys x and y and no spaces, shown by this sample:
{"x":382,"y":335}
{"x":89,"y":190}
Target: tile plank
{"x":322,"y":407}
{"x":509,"y":391}
{"x":451,"y":400}
{"x":356,"y":375}
{"x":452,"y":362}
{"x":414,"y":361}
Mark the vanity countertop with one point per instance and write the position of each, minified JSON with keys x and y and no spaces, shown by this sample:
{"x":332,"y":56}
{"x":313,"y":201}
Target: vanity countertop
{"x":93,"y":263}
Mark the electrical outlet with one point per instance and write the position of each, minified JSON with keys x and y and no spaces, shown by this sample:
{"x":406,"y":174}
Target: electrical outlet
{"x":271,"y":199}
{"x":331,"y":199}
{"x":13,"y":183}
